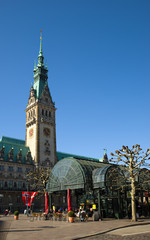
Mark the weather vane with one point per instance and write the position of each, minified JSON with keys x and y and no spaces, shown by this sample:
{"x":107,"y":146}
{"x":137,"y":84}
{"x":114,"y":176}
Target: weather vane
{"x":41,"y":34}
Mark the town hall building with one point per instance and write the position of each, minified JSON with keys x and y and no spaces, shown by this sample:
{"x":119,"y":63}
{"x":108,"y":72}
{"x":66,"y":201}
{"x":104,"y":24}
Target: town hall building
{"x":18,"y":157}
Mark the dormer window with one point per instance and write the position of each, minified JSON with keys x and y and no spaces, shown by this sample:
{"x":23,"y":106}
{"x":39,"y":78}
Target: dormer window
{"x":19,"y":156}
{"x":11,"y":155}
{"x":2,"y":153}
{"x":28,"y":157}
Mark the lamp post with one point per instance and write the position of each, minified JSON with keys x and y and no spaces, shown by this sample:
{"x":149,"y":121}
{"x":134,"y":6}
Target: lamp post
{"x":27,"y":201}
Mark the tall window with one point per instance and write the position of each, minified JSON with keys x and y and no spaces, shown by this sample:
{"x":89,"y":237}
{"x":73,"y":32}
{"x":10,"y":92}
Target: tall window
{"x":19,"y":184}
{"x":18,"y":199}
{"x":27,"y":170}
{"x":19,"y":170}
{"x":1,"y":183}
{"x":42,"y":111}
{"x":1,"y":167}
{"x":10,"y":169}
{"x":10,"y":184}
{"x":9,"y":199}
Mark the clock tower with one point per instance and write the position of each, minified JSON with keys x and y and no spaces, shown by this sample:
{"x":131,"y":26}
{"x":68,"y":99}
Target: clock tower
{"x":40,"y":117}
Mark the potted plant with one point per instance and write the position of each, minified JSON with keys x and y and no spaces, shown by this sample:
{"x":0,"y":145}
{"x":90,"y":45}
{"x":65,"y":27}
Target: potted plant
{"x":16,"y":215}
{"x":71,"y":216}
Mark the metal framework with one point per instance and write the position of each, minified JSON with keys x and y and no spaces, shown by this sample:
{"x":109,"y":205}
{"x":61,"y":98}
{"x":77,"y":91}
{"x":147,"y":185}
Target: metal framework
{"x":72,"y":173}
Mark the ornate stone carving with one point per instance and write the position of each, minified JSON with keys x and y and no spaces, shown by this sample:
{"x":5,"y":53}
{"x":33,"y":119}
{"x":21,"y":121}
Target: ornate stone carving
{"x":47,"y":148}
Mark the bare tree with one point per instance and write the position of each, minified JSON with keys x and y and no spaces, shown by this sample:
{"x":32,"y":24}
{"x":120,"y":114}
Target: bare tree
{"x":133,"y":159}
{"x":38,"y":179}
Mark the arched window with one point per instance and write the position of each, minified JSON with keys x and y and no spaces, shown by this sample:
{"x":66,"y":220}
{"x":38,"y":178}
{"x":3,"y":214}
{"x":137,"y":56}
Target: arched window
{"x":9,"y":199}
{"x":18,"y":199}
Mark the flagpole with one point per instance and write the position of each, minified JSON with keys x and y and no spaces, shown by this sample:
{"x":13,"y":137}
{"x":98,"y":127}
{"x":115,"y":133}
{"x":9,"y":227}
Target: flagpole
{"x":27,"y":203}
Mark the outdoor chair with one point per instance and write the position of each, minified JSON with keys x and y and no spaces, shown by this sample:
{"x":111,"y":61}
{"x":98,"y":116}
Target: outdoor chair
{"x":55,"y":216}
{"x":83,"y":217}
{"x":64,"y":217}
{"x":50,"y":216}
{"x":59,"y":216}
{"x":33,"y":216}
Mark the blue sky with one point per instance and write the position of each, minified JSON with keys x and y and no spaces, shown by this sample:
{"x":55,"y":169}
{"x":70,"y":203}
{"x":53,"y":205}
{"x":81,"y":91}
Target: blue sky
{"x":98,"y":56}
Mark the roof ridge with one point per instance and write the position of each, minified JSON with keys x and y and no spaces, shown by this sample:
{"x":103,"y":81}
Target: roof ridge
{"x":79,"y":156}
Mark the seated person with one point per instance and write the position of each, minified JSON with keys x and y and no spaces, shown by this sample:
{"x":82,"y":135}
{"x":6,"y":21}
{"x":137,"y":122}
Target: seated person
{"x":82,"y":215}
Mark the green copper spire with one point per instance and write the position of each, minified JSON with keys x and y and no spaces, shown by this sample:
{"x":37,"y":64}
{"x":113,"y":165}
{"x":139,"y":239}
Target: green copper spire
{"x":40,"y":73}
{"x":35,"y":65}
{"x":46,"y":64}
{"x":40,"y":57}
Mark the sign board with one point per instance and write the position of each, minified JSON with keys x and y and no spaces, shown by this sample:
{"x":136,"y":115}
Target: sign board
{"x":94,"y":206}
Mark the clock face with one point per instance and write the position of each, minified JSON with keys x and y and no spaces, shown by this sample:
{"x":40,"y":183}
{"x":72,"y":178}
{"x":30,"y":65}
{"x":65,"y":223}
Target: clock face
{"x":31,"y":132}
{"x":46,"y":132}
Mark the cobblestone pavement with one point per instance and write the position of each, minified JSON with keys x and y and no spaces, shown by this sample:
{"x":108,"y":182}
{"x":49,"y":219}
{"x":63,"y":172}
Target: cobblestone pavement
{"x":25,"y":229}
{"x":145,"y":236}
{"x":4,"y":225}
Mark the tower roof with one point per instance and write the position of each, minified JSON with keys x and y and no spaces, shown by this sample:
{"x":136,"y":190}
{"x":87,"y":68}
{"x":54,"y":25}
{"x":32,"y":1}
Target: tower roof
{"x":40,"y":72}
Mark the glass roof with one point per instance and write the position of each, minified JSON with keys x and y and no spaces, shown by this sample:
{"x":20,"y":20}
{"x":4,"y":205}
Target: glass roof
{"x":108,"y":176}
{"x":72,"y":173}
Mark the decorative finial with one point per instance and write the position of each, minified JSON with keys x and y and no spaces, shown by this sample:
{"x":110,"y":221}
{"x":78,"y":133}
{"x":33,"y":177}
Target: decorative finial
{"x":41,"y":34}
{"x":40,"y":52}
{"x":105,"y":150}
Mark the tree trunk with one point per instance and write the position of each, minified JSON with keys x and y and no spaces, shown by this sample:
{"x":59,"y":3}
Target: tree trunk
{"x":132,"y":178}
{"x":133,"y":204}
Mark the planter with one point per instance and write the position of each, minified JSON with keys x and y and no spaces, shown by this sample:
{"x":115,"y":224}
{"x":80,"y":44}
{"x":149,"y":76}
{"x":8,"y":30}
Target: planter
{"x":71,"y":219}
{"x":16,"y":217}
